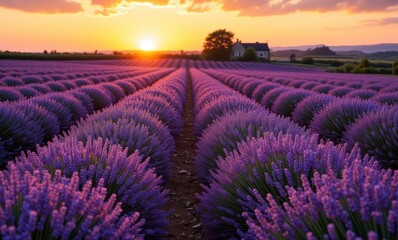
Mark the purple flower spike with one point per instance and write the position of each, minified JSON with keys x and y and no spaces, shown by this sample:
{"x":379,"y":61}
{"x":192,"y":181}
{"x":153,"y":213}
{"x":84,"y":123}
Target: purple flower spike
{"x":361,"y":204}
{"x":127,"y":177}
{"x":333,"y":120}
{"x":38,"y":205}
{"x":268,"y":164}
{"x":377,"y":134}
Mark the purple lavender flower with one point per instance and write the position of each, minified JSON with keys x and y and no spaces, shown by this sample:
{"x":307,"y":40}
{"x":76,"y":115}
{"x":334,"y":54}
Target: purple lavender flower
{"x":117,"y":93}
{"x":221,"y":106}
{"x":268,"y":99}
{"x":73,"y":104}
{"x":333,"y":120}
{"x":131,"y":134}
{"x":85,"y":100}
{"x":10,"y":94}
{"x":322,"y":88}
{"x":286,"y":102}
{"x":306,"y":109}
{"x":362,"y":94}
{"x":100,"y":97}
{"x":267,"y":164}
{"x":377,"y":134}
{"x":340,"y":91}
{"x":12,"y":81}
{"x":37,"y":205}
{"x":363,"y":203}
{"x":17,"y":133}
{"x":157,"y":106}
{"x":262,"y":89}
{"x":48,"y":122}
{"x":386,"y":98}
{"x":224,"y":135}
{"x":124,"y":174}
{"x":28,"y":92}
{"x":62,"y":113}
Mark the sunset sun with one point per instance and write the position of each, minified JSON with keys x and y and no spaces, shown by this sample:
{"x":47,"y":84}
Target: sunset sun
{"x":147,"y":44}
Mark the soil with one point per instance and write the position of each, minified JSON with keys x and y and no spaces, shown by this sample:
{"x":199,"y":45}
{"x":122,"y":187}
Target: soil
{"x":184,"y":222}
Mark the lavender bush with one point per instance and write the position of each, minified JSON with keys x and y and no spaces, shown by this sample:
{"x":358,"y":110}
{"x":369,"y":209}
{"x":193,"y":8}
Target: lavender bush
{"x":363,"y":204}
{"x":286,"y":102}
{"x":224,"y":135}
{"x":17,"y":133}
{"x":333,"y":120}
{"x":122,"y":174}
{"x":377,"y":134}
{"x":306,"y":109}
{"x":39,"y":206}
{"x":267,"y":164}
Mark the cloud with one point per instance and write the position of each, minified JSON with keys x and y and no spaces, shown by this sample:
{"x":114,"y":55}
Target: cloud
{"x":279,"y":7}
{"x":381,"y":22}
{"x":111,"y":7}
{"x":43,"y":6}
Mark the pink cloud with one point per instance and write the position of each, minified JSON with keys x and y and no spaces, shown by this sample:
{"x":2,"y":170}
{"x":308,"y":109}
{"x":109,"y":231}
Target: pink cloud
{"x":109,"y":6}
{"x":43,"y":6}
{"x":279,"y":7}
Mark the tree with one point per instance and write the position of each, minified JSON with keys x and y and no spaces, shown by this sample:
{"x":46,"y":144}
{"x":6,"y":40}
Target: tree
{"x":307,"y":60}
{"x":292,"y":57}
{"x":395,"y":68}
{"x":249,"y":54}
{"x":364,"y":63}
{"x":218,"y":45}
{"x":45,"y":52}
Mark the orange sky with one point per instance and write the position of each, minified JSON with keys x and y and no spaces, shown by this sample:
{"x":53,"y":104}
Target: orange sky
{"x":87,"y":25}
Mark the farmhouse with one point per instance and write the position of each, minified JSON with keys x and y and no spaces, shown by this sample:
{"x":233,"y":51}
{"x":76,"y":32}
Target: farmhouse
{"x":262,"y":50}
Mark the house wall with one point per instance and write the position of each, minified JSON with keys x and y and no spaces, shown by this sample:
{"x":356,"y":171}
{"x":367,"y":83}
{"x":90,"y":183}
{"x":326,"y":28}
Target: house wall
{"x":263,"y":54}
{"x":237,"y":51}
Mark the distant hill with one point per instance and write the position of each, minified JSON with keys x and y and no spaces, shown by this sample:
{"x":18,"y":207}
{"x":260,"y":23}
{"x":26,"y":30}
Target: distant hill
{"x":382,"y":47}
{"x":318,"y":51}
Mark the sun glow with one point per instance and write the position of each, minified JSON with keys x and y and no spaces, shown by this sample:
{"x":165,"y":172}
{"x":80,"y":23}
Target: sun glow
{"x":147,"y":44}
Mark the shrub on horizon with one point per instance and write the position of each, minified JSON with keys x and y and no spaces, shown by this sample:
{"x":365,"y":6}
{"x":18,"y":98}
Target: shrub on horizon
{"x":37,"y":205}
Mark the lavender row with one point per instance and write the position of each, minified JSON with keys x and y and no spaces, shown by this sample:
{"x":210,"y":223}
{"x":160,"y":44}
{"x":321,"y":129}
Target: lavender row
{"x":382,"y":91}
{"x":38,"y":120}
{"x":337,"y":119}
{"x":95,"y":153}
{"x":252,"y":188}
{"x":146,"y":121}
{"x":324,"y":81}
{"x":27,"y":91}
{"x":224,"y":118}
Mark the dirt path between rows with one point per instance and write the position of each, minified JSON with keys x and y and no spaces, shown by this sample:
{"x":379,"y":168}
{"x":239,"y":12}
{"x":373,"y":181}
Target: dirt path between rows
{"x":184,"y":222}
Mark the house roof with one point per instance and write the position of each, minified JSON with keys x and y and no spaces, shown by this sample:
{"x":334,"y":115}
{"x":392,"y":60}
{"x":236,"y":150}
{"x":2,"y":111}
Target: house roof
{"x":257,"y":46}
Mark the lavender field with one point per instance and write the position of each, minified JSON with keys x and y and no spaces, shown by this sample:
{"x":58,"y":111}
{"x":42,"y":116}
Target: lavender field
{"x":189,"y":149}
